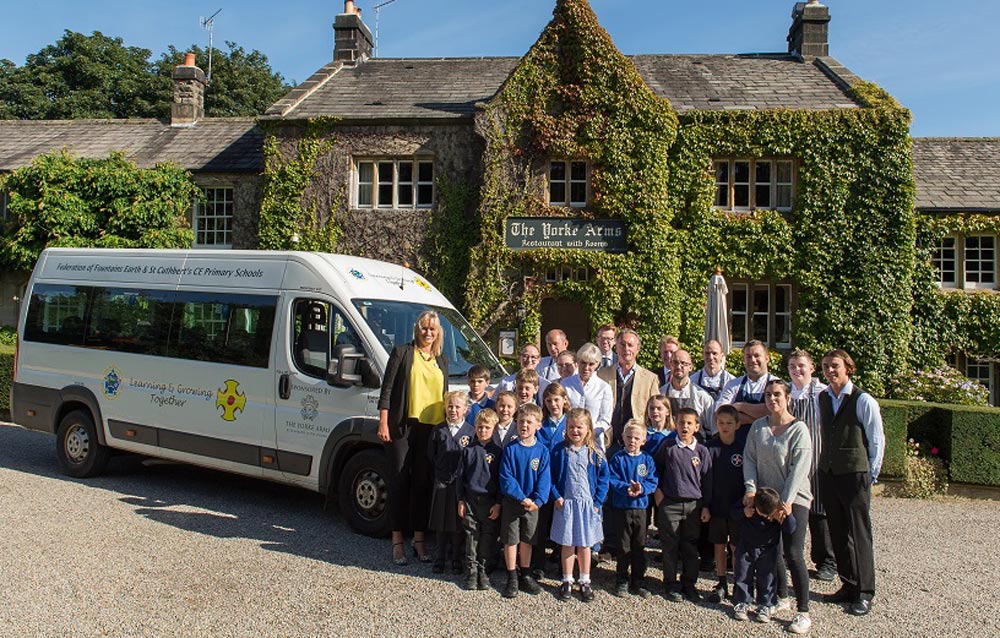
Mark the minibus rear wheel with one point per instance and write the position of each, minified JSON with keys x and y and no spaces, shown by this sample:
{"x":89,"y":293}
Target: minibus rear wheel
{"x":363,"y":492}
{"x":80,"y":453}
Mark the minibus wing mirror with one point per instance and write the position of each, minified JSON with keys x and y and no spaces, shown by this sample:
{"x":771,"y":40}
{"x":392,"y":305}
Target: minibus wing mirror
{"x":344,"y":367}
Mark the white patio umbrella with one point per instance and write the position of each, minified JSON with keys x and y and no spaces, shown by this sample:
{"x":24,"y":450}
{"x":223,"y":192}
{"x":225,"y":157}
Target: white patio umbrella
{"x":717,"y":312}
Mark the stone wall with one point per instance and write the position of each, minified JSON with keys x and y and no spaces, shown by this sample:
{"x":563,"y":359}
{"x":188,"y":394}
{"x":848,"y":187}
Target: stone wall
{"x":386,"y":234}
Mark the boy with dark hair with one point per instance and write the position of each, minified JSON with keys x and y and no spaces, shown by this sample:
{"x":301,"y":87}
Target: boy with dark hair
{"x":685,"y":489}
{"x":478,"y":378}
{"x":726,"y":449}
{"x":755,"y":564}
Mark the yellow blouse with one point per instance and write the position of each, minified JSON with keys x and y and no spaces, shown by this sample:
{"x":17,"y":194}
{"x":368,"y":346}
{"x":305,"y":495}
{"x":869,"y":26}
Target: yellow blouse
{"x":426,"y":390}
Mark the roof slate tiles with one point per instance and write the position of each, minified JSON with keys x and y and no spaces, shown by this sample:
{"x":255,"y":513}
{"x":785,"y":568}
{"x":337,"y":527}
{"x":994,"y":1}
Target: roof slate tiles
{"x":957,"y":174}
{"x":449,"y":88}
{"x":215,"y":145}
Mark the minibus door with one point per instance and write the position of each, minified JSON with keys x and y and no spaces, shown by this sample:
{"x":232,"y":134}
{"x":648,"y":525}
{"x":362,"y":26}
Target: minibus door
{"x":308,"y":407}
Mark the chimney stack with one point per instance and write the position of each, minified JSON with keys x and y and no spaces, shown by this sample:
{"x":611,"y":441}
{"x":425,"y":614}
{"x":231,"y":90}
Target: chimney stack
{"x":352,"y":37}
{"x":189,"y":93}
{"x":809,"y":37}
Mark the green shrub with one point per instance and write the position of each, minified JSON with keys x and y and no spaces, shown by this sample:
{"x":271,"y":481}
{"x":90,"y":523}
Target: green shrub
{"x":8,"y":335}
{"x":895,"y":420}
{"x":975,"y":446}
{"x":941,"y":385}
{"x":6,"y":377}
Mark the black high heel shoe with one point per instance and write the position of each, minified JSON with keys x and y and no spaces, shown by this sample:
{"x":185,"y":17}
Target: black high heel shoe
{"x":401,"y":559}
{"x":423,"y":556}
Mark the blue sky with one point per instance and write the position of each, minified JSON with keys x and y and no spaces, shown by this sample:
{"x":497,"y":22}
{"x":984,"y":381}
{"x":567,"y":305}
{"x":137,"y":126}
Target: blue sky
{"x":938,"y":58}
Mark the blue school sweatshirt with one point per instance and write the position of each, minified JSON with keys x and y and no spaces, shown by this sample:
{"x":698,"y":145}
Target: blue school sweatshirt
{"x":476,"y":406}
{"x":524,"y":472}
{"x":597,"y":474}
{"x":625,"y":468}
{"x":479,"y":471}
{"x":552,"y":432}
{"x":656,"y":439}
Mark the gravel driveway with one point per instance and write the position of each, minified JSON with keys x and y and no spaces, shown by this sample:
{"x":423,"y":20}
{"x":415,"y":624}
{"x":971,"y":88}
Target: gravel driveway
{"x":170,"y":550}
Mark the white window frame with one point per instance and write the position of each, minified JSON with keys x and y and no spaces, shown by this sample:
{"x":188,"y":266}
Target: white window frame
{"x":568,"y":201}
{"x":726,"y":185}
{"x":754,"y":316}
{"x":966,"y":261}
{"x":961,"y":252}
{"x":377,"y":183}
{"x":989,"y":380}
{"x":206,"y":210}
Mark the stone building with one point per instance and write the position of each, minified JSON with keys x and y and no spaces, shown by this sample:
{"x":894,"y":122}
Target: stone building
{"x":750,"y":158}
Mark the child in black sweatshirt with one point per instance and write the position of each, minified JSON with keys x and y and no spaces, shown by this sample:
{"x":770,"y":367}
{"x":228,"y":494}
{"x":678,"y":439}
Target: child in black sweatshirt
{"x":479,"y":500}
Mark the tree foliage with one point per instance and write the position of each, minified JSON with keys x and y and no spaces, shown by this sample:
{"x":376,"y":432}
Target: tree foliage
{"x":97,"y":76}
{"x":59,"y":200}
{"x":242,"y":83}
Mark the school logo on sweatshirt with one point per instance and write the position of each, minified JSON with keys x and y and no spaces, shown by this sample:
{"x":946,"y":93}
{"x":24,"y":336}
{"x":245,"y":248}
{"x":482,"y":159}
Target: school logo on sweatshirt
{"x":489,"y":459}
{"x":464,"y":441}
{"x":736,"y":460}
{"x":695,"y":461}
{"x":535,"y":463}
{"x":642,"y":470}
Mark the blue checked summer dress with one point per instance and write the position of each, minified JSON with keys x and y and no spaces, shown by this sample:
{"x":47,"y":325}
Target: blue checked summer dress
{"x":577,"y":524}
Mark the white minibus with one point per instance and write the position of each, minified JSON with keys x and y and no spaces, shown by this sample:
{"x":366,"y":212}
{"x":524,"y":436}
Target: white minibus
{"x":267,"y":364}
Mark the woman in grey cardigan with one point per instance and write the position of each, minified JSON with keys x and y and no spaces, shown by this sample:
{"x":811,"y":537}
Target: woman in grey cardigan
{"x":778,"y":455}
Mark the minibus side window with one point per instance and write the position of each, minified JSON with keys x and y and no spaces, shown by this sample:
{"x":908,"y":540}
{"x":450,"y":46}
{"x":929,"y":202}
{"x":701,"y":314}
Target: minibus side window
{"x":57,"y":314}
{"x":223,"y":328}
{"x":317,"y":327}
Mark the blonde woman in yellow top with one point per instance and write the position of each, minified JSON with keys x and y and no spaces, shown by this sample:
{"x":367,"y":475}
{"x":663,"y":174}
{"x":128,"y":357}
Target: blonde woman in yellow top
{"x":410,"y":405}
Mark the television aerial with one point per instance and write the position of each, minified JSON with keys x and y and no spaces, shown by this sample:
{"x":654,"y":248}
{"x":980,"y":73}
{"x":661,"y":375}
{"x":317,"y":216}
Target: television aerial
{"x":378,"y":13}
{"x":209,"y":23}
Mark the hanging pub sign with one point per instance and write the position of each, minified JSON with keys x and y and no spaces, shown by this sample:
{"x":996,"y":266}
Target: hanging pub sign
{"x":561,"y":233}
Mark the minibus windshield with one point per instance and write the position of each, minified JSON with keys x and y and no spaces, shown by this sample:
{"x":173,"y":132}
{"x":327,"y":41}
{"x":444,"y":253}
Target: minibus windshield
{"x":392,"y":323}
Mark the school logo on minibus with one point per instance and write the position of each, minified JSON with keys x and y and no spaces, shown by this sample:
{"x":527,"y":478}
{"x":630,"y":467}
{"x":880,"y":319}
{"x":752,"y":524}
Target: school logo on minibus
{"x":360,"y":276}
{"x":423,"y":284}
{"x":230,"y":399}
{"x":112,"y":383}
{"x":310,"y":407}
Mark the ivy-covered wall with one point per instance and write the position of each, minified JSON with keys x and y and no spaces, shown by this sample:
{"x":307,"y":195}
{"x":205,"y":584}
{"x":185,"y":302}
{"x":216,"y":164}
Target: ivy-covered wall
{"x":574,"y":96}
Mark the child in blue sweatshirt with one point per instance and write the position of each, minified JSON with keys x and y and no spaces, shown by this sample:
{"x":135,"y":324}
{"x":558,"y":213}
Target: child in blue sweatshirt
{"x":579,"y":487}
{"x":555,"y":405}
{"x":633,"y":479}
{"x":479,"y":499}
{"x":525,"y":484}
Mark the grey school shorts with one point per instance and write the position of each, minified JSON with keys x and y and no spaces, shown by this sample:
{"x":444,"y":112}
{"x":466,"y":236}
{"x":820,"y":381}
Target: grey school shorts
{"x":516,"y":524}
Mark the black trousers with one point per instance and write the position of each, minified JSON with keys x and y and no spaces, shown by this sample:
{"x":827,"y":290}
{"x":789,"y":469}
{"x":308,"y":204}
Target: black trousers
{"x":679,"y":523}
{"x":821,"y":552}
{"x":412,"y":479}
{"x":793,"y":556}
{"x":847,"y":501}
{"x":631,"y":525}
{"x":481,"y":533}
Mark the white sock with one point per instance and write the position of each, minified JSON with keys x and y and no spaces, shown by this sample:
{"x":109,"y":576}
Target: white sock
{"x":568,"y":578}
{"x":584,"y":578}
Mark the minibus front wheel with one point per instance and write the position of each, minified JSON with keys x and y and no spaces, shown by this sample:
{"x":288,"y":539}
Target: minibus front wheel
{"x":80,"y":453}
{"x":364,"y":492}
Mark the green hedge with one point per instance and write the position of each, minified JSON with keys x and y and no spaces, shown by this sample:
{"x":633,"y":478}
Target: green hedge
{"x":6,"y":376}
{"x":967,"y":437}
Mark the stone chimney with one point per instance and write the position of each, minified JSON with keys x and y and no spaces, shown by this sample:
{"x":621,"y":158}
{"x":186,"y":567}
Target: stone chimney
{"x":352,"y":39}
{"x":189,"y":93}
{"x":809,"y":37}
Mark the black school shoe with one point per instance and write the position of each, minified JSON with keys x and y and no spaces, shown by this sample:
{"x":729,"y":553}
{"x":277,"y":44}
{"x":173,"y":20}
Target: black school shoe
{"x":719,"y":593}
{"x":621,"y":589}
{"x":482,"y":579}
{"x":529,"y":585}
{"x":691,"y":594}
{"x":640,"y":591}
{"x":825,"y":573}
{"x":586,"y":593}
{"x":472,"y":579}
{"x":565,"y":591}
{"x":510,"y":589}
{"x":672,"y":594}
{"x":860,"y":607}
